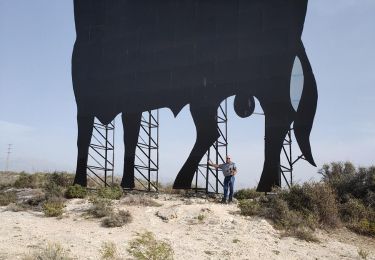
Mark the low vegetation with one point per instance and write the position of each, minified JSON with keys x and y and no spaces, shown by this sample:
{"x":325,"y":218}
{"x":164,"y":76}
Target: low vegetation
{"x":145,"y":246}
{"x":53,"y":207}
{"x":117,"y":219}
{"x":345,"y":196}
{"x":247,"y":194}
{"x":140,"y":200}
{"x":113,"y":193}
{"x":7,"y":197}
{"x":108,"y":251}
{"x":100,"y":207}
{"x":76,"y":191}
{"x":50,"y":252}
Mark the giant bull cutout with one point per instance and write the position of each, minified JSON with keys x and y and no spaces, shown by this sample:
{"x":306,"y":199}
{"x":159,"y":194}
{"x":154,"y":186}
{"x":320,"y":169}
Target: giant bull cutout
{"x":132,"y":56}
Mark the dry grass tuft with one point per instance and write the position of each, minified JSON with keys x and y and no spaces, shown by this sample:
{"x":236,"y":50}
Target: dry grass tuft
{"x":117,"y":219}
{"x":146,"y":246}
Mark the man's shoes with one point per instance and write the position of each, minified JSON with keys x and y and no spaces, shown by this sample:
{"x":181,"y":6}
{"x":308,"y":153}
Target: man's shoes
{"x":230,"y":201}
{"x":224,"y":201}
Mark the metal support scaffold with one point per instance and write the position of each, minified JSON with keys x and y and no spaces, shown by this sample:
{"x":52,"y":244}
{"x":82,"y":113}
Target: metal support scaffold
{"x":206,"y":178}
{"x":146,"y":165}
{"x":100,"y":165}
{"x":287,"y":160}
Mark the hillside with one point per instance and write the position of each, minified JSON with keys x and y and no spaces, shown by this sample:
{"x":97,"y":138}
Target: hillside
{"x":195,"y":228}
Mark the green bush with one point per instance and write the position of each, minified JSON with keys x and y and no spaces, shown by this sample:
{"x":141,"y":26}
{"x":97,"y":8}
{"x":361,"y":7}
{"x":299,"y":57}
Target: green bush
{"x":146,"y":247}
{"x":100,"y":207}
{"x":350,"y":182}
{"x":247,"y":194}
{"x":364,"y":227}
{"x":314,"y":199}
{"x":249,"y":207}
{"x":117,"y":219}
{"x":112,"y":193}
{"x":53,"y":207}
{"x":352,"y":211}
{"x":7,"y":197}
{"x":76,"y":191}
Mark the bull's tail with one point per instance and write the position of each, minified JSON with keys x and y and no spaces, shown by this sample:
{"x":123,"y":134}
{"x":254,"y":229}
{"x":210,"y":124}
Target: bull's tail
{"x":307,"y":107}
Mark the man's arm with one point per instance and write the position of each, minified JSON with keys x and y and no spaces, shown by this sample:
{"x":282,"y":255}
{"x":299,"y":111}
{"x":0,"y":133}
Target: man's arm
{"x":213,"y":165}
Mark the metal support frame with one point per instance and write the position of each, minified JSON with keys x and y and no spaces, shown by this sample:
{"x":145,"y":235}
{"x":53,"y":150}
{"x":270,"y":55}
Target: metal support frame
{"x":100,"y":165}
{"x":286,"y":168}
{"x":146,"y":165}
{"x":216,"y":153}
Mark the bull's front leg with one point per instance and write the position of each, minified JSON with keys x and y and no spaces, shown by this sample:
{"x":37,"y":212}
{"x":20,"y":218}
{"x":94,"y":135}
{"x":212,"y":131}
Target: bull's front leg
{"x":131,"y":124}
{"x":278,"y":118}
{"x":85,"y":127}
{"x":207,"y":133}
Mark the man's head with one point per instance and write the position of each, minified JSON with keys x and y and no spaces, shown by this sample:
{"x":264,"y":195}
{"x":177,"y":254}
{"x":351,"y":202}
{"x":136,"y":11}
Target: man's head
{"x":228,"y":159}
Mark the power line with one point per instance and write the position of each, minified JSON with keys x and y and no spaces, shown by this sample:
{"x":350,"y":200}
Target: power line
{"x":9,"y":151}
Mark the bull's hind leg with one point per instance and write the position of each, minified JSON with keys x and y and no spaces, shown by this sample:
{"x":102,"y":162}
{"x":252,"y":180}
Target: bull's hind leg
{"x":131,"y":124}
{"x":205,"y":122}
{"x":278,"y":118}
{"x":85,"y":126}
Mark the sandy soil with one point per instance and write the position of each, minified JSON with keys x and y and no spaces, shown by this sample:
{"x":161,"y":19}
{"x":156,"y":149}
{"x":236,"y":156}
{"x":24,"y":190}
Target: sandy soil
{"x":222,"y":234}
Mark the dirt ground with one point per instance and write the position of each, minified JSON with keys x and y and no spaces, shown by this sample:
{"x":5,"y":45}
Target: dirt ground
{"x":218,"y":233}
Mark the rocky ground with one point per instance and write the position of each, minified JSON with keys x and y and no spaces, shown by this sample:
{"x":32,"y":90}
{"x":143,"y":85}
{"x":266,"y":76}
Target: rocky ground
{"x":196,"y":228}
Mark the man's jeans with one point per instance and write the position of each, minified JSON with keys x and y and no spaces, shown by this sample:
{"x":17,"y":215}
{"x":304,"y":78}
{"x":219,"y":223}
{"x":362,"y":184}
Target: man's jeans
{"x":228,"y":181}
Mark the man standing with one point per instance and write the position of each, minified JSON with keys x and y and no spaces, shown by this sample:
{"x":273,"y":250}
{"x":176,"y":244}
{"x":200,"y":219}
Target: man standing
{"x":229,"y":170}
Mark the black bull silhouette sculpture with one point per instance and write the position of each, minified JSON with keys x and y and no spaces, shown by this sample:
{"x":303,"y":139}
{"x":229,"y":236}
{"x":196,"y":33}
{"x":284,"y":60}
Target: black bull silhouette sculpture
{"x":138,"y":55}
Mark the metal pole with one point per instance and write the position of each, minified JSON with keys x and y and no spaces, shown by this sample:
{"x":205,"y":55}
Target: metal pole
{"x":290,"y":156}
{"x":106,"y":156}
{"x":157,"y":149}
{"x":149,"y":151}
{"x":113,"y":150}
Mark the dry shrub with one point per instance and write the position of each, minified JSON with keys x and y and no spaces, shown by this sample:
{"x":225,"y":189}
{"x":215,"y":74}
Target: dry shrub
{"x":364,"y":227}
{"x":61,"y":179}
{"x":52,"y":190}
{"x":7,"y":197}
{"x":352,"y":211}
{"x":53,"y":207}
{"x":302,"y":234}
{"x":50,"y":252}
{"x":33,"y":181}
{"x":117,"y":219}
{"x":249,"y":207}
{"x":108,"y":251}
{"x":247,"y":194}
{"x":140,"y":200}
{"x":17,"y":207}
{"x":317,"y":199}
{"x":100,"y":207}
{"x":145,"y":246}
{"x":112,"y":193}
{"x":76,"y":191}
